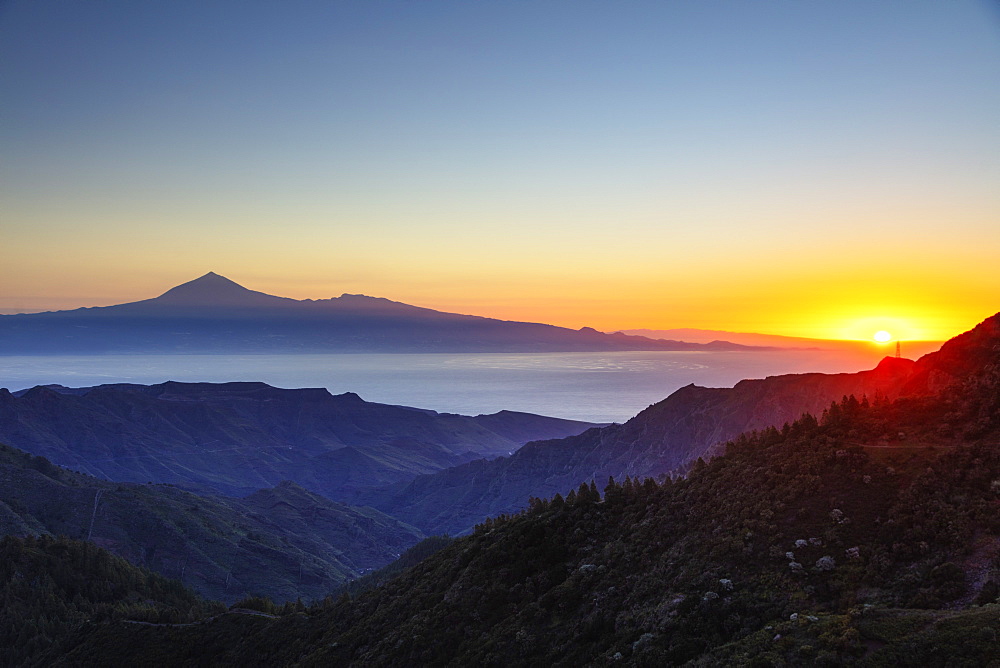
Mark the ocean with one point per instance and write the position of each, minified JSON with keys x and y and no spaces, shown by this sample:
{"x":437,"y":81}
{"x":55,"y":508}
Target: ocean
{"x":598,"y":387}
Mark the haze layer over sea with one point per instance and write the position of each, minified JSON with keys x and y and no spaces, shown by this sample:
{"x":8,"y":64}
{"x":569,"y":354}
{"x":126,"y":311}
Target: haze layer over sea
{"x":599,"y":387}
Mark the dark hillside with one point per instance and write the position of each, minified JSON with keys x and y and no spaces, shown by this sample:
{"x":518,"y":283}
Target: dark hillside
{"x":868,"y":536}
{"x":282,"y":542}
{"x":809,"y":522}
{"x":54,"y":588}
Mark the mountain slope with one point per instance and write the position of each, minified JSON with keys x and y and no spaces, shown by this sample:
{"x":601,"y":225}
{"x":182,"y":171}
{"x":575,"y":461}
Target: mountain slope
{"x":283,"y":542}
{"x":214,"y":314}
{"x":53,"y":588}
{"x":239,"y":437}
{"x":823,"y":543}
{"x":668,"y":436}
{"x":663,"y":438}
{"x":210,"y":290}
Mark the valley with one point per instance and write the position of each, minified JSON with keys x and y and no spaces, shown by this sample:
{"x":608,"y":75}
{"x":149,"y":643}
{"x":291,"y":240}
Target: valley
{"x":856,"y":536}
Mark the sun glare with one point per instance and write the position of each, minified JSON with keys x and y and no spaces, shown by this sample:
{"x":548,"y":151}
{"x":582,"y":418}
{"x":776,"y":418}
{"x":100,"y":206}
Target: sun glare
{"x":882,"y":336}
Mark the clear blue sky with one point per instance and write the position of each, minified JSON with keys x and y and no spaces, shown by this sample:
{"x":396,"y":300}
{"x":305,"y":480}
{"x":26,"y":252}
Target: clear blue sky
{"x":791,"y":167}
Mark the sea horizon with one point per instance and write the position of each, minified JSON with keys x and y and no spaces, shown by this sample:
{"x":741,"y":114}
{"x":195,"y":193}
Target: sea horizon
{"x":592,"y":386}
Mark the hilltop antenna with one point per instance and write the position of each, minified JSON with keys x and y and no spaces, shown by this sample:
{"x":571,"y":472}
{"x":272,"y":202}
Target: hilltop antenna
{"x":897,"y":350}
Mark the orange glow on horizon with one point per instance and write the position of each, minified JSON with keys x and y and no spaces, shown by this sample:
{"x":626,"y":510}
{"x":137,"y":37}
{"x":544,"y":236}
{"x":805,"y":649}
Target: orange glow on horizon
{"x":805,"y":308}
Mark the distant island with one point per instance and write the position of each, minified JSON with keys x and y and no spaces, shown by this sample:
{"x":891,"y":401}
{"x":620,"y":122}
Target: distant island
{"x":213,"y":314}
{"x":911,"y":349}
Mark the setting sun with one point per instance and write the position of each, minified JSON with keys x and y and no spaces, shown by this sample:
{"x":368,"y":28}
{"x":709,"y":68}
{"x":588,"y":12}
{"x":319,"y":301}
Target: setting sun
{"x":882,"y":336}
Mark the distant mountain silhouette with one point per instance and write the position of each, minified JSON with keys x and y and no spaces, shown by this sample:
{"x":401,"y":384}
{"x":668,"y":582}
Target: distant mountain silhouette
{"x":214,"y":290}
{"x":235,"y":438}
{"x":216,"y":315}
{"x":912,"y":349}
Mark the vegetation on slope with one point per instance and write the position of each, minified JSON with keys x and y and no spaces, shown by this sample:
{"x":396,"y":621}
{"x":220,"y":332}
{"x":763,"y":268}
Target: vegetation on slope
{"x":869,"y":536}
{"x":408,"y":559}
{"x":283,"y":542}
{"x":857,"y":538}
{"x":53,"y":588}
{"x":806,"y":522}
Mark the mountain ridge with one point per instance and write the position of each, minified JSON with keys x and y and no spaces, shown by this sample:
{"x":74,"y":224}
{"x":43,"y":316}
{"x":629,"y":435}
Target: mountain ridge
{"x":666,"y":438}
{"x":215,"y":314}
{"x":241,"y":436}
{"x":911,"y":348}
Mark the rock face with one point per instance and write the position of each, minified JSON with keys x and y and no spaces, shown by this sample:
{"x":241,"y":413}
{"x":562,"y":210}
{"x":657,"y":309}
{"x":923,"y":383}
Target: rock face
{"x":283,"y":542}
{"x":235,"y":438}
{"x":668,"y":436}
{"x":214,"y":314}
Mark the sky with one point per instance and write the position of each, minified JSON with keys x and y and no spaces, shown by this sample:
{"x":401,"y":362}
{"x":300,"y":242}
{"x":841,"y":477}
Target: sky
{"x":804,"y":168}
